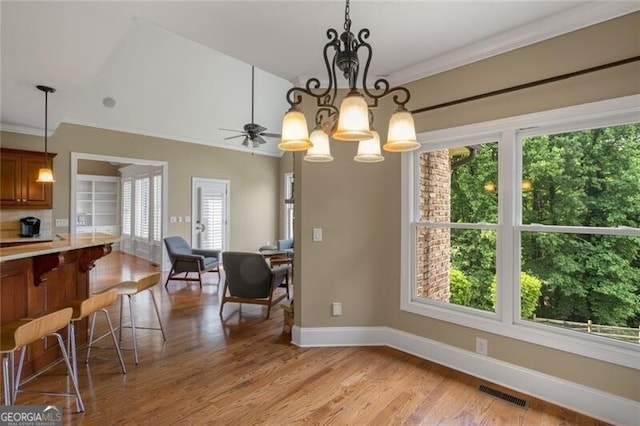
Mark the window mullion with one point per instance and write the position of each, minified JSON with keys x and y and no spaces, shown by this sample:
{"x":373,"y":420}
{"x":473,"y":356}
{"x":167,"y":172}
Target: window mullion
{"x":507,"y":259}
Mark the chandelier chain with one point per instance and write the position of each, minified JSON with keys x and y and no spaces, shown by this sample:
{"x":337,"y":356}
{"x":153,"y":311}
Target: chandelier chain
{"x":347,"y":19}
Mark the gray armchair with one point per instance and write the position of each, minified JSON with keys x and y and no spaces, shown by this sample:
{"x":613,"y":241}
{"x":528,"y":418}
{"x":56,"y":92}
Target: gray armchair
{"x":184,"y":260}
{"x":249,"y":279}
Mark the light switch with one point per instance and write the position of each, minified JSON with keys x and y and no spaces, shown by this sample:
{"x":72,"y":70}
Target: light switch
{"x":317,"y":234}
{"x":187,"y":219}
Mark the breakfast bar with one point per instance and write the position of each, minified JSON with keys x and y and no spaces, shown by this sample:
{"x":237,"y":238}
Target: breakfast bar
{"x":38,"y":277}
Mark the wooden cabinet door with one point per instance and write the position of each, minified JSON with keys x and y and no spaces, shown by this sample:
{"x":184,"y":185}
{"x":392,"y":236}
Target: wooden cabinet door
{"x":19,"y":173}
{"x":11,"y":179}
{"x":34,"y":194}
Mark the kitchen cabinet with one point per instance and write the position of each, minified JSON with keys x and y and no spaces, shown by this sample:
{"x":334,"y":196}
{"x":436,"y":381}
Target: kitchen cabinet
{"x":18,"y":186}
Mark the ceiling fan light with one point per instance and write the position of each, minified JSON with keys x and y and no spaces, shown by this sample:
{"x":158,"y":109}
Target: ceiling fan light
{"x":353,"y":119}
{"x":369,"y":150}
{"x":45,"y":174}
{"x":320,"y":152}
{"x":295,"y":136}
{"x":402,"y":132}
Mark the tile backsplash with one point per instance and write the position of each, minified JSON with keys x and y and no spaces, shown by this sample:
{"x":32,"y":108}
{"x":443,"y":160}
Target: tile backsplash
{"x":10,"y":222}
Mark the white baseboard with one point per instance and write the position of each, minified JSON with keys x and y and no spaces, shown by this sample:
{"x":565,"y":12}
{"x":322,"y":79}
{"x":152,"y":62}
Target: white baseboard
{"x":592,"y":402}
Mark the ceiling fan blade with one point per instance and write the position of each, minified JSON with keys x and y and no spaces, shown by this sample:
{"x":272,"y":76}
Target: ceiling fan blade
{"x":231,"y":130}
{"x":271,"y":135}
{"x":236,"y":136}
{"x":245,"y":142}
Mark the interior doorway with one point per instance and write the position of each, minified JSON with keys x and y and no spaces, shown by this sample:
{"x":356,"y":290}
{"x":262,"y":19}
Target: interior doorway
{"x":158,"y":215}
{"x":210,"y":212}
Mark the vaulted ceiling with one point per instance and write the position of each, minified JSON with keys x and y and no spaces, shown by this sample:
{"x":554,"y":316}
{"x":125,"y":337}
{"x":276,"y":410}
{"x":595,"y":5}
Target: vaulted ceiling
{"x":182,"y":70}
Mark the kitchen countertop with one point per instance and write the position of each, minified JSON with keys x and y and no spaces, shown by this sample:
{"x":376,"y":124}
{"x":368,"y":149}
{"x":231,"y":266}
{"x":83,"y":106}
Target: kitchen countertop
{"x":61,"y":243}
{"x":26,"y":240}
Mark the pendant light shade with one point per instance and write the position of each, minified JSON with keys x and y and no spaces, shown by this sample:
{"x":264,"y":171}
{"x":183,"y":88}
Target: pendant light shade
{"x":295,"y":136}
{"x":402,"y":132}
{"x":369,"y":150}
{"x":353,"y":121}
{"x":45,"y":174}
{"x":320,"y":152}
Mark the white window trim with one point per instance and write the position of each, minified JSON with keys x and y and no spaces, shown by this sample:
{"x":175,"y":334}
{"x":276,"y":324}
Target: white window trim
{"x":610,"y":112}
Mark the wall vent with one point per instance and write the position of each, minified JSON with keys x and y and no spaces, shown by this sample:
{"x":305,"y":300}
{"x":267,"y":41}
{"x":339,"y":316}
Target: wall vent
{"x":504,"y":396}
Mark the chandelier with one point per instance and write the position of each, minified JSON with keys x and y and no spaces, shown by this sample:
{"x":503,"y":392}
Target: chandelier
{"x":353,"y":121}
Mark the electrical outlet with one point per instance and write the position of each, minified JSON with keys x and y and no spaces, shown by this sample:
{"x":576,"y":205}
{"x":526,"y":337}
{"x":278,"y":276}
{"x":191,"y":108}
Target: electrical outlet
{"x":336,"y":309}
{"x":482,"y":346}
{"x":62,"y":222}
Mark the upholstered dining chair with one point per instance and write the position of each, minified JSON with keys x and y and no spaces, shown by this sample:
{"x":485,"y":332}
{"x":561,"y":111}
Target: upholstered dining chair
{"x":249,"y":279}
{"x":185,"y":260}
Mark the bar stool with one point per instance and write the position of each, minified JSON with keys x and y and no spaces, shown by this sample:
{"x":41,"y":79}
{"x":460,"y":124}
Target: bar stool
{"x":22,"y":333}
{"x":131,"y":289}
{"x":83,"y":309}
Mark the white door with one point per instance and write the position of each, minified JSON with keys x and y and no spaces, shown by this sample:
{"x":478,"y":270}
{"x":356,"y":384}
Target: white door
{"x":209,"y":212}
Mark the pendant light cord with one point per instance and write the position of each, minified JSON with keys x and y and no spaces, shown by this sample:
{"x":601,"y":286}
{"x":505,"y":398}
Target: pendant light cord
{"x":46,"y":108}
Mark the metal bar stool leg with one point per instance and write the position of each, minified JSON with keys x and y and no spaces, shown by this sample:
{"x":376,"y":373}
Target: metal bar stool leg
{"x":16,"y":378}
{"x":74,"y":382}
{"x":93,"y":325}
{"x":8,"y":378}
{"x":132,"y":312}
{"x":72,"y":350}
{"x":115,"y":341}
{"x":155,"y":305}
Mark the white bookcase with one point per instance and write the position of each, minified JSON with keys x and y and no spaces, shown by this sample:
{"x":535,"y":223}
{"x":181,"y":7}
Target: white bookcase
{"x":98,"y":204}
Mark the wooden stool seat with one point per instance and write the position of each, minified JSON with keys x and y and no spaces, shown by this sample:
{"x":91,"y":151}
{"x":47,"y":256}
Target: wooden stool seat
{"x":130,"y":289}
{"x":18,"y":335}
{"x":84,"y":308}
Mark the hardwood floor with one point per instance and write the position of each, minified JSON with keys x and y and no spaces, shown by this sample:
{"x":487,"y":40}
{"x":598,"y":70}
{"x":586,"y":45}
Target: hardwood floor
{"x":243,"y":371}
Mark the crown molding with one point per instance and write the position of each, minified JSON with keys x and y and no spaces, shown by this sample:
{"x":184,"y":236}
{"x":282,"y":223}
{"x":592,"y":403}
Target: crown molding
{"x":23,"y":130}
{"x":582,"y":16}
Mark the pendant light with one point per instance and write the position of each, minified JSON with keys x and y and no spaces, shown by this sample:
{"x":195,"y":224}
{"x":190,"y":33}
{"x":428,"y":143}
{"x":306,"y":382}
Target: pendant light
{"x":45,"y":174}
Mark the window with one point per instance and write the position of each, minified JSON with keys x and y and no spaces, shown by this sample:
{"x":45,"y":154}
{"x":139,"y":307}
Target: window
{"x":157,"y":207}
{"x":142,"y":208}
{"x":126,"y":207}
{"x":530,"y":227}
{"x":288,"y":205}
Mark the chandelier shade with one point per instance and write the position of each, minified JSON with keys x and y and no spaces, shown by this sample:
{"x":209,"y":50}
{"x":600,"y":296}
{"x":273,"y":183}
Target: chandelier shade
{"x":320,"y":152}
{"x":45,"y":174}
{"x":369,"y":150}
{"x":353,"y":119}
{"x":402,"y":133}
{"x":295,"y":136}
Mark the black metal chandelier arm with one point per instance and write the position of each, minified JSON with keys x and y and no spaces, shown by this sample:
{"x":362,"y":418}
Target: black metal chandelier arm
{"x":323,"y":101}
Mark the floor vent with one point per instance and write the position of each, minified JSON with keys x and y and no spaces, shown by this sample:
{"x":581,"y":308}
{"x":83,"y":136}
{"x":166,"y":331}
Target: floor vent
{"x":504,"y":396}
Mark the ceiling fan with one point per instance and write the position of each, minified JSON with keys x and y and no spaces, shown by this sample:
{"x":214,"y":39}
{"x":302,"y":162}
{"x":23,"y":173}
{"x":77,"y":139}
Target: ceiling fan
{"x":253,"y":133}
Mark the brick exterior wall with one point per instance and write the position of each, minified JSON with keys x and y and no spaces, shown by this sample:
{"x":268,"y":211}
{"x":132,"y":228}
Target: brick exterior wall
{"x":434,"y":245}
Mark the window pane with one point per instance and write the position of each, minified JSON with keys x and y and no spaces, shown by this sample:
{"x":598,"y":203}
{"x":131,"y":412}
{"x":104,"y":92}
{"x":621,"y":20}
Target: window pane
{"x":456,"y":266}
{"x":142,"y":208}
{"x":459,"y":184}
{"x":585,"y":178}
{"x":157,"y":207}
{"x":126,"y":207}
{"x":586,"y":282}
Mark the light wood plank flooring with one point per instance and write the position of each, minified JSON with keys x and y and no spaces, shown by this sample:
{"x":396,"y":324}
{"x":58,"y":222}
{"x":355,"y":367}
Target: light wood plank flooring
{"x":243,"y":371}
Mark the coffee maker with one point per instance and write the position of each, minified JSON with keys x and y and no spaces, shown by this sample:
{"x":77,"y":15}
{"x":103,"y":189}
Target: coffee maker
{"x":30,"y":227}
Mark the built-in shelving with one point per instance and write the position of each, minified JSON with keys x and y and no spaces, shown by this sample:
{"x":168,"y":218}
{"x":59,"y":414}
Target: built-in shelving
{"x":98,"y":204}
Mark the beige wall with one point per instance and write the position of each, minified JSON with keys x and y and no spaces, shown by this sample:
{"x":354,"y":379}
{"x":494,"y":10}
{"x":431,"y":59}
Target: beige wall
{"x":100,"y":168}
{"x":358,"y":206}
{"x":254,"y":179}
